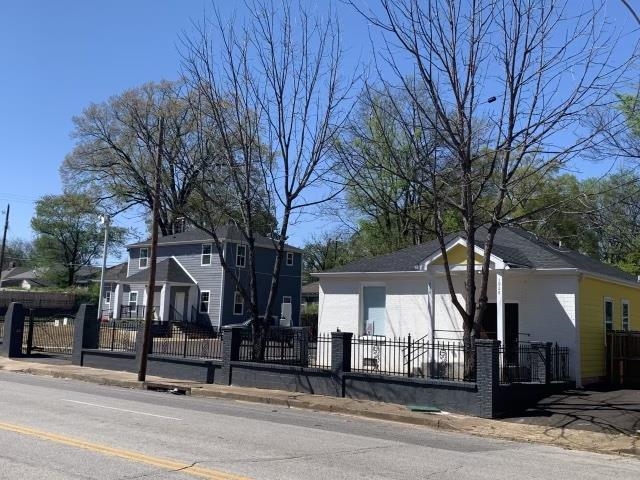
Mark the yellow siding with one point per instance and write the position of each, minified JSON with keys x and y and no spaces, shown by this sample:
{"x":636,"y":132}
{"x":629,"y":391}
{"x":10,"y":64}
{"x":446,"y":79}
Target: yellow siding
{"x":591,"y":322}
{"x":457,"y":256}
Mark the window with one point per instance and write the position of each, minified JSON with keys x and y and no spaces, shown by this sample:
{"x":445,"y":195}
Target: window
{"x":608,"y":314}
{"x":143,"y":261}
{"x":107,"y":297}
{"x":238,"y":304}
{"x":133,"y":300}
{"x":241,"y":255}
{"x":204,"y":301}
{"x":625,"y":315}
{"x":289,"y":259}
{"x":286,"y":299}
{"x":206,"y":255}
{"x":374,"y":310}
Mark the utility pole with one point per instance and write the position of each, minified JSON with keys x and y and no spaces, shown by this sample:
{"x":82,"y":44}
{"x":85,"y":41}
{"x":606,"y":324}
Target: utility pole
{"x":106,"y":221}
{"x":148,"y":314}
{"x":4,"y":242}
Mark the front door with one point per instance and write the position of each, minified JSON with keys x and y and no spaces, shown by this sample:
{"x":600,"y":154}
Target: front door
{"x":178,"y":312}
{"x":511,"y":328}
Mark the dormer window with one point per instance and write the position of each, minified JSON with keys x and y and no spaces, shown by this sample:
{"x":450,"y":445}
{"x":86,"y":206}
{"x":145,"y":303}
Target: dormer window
{"x":206,"y":254}
{"x":241,"y":256}
{"x":143,"y":260}
{"x":289,"y":259}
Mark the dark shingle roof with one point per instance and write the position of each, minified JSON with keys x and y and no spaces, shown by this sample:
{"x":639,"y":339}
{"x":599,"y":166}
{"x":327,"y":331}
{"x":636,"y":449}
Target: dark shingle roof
{"x":515,"y":246}
{"x":196,"y":235}
{"x":116,"y":272}
{"x":168,"y":270}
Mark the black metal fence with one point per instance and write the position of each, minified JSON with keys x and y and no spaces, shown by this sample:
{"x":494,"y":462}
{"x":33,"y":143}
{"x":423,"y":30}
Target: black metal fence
{"x":412,"y":358}
{"x":320,"y":352}
{"x":188,"y":340}
{"x":528,"y":363}
{"x":286,"y":346}
{"x":48,"y":334}
{"x":132,"y":312}
{"x":560,"y":367}
{"x":119,"y":335}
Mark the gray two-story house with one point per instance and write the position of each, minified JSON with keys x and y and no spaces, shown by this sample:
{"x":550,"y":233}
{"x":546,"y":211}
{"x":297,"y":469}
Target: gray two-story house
{"x":191,"y":284}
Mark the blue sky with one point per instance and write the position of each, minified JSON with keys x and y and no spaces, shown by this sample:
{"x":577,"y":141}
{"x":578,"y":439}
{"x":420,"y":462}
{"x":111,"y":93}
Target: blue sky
{"x":56,"y":57}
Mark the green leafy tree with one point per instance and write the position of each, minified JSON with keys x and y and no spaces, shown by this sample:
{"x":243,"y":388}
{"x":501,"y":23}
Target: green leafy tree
{"x":69,"y":235}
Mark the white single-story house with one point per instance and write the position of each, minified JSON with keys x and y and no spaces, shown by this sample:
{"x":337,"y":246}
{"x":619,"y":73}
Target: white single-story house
{"x":537,"y":292}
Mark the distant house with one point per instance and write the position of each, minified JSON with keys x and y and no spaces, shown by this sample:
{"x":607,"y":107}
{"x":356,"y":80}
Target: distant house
{"x":310,"y":293}
{"x":191,"y":284}
{"x":537,"y":292}
{"x":23,"y":277}
{"x":27,"y":278}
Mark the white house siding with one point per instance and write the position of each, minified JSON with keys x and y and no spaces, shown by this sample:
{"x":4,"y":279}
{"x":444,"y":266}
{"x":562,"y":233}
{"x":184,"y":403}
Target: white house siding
{"x":406,"y":304}
{"x":338,"y":305}
{"x":546,"y":305}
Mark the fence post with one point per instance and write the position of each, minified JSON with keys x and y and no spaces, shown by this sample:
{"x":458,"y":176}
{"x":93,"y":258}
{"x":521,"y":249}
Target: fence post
{"x":30,"y":333}
{"x":488,"y":377}
{"x":409,"y":355}
{"x":301,"y":346}
{"x":86,"y":331}
{"x":231,"y":340}
{"x":13,"y":331}
{"x":340,"y":358}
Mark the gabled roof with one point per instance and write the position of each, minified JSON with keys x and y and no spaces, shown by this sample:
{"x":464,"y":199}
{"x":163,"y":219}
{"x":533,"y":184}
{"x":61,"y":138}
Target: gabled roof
{"x":116,"y":272}
{"x":168,"y":270}
{"x":515,"y":246}
{"x":224,"y":233}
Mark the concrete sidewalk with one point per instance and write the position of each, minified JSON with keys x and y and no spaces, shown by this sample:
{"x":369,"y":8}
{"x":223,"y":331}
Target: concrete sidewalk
{"x":562,"y":437}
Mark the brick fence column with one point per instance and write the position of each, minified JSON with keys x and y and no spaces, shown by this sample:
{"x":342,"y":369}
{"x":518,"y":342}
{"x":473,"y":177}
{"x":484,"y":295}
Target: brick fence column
{"x":231,"y":340}
{"x":13,"y":331}
{"x":488,"y":377}
{"x":340,"y":357}
{"x":86,"y":331}
{"x":301,"y":346}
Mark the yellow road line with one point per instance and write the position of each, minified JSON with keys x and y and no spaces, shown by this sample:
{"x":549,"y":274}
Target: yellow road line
{"x":165,"y":463}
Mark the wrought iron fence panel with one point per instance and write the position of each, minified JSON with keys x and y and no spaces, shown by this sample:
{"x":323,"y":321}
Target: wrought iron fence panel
{"x":560,"y":368}
{"x":412,"y":358}
{"x":188,"y":340}
{"x":320,"y":352}
{"x":118,"y":335}
{"x":49,"y":334}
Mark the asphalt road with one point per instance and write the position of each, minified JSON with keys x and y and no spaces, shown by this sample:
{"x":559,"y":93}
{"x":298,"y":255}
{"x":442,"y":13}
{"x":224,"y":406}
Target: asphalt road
{"x":61,"y":429}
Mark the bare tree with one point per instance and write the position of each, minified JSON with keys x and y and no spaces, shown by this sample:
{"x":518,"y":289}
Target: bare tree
{"x":115,"y":146}
{"x":507,"y":84}
{"x":269,"y":91}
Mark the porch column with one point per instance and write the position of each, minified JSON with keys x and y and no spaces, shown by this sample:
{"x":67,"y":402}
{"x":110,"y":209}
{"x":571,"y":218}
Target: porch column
{"x":116,"y":301}
{"x":499,"y":308}
{"x":165,"y":302}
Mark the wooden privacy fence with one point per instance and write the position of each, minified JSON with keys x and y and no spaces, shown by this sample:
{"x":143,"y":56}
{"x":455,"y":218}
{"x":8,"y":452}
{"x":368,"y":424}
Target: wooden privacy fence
{"x":623,"y":358}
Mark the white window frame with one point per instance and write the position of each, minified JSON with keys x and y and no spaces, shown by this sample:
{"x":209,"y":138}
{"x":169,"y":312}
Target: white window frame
{"x":604,"y":312}
{"x":107,"y":297}
{"x":286,"y":299}
{"x":203,"y":254}
{"x":208,"y":301}
{"x":243,"y":256}
{"x":145,"y":258}
{"x":624,"y":318}
{"x":238,"y":296}
{"x":289,"y":259}
{"x":135,"y":303}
